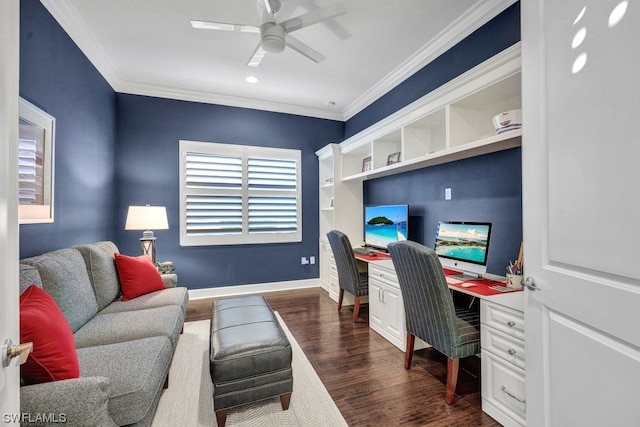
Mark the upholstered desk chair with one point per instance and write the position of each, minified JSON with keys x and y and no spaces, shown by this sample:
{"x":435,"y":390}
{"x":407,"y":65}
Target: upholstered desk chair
{"x":430,"y":312}
{"x":349,"y":278}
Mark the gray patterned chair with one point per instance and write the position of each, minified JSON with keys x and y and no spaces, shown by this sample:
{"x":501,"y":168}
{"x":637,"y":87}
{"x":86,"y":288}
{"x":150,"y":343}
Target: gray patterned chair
{"x":349,"y":278}
{"x":430,"y":312}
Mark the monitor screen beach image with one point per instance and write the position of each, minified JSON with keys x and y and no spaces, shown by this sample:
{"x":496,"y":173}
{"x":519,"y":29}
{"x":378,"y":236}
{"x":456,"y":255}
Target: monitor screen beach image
{"x":463,"y":241}
{"x":385,"y":224}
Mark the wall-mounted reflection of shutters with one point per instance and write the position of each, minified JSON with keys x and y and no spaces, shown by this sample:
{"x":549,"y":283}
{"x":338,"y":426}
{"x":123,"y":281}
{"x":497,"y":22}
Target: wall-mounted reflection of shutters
{"x":233,"y":194}
{"x":27,"y":171}
{"x":272,"y":205}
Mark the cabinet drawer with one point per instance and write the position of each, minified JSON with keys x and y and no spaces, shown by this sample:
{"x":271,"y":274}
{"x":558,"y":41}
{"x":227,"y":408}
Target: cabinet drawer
{"x":383,"y":274}
{"x":507,"y":347}
{"x":503,"y":387}
{"x":502,"y":318}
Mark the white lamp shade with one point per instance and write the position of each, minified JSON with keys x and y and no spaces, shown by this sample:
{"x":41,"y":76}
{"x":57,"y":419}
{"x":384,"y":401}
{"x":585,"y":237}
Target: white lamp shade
{"x":147,"y":218}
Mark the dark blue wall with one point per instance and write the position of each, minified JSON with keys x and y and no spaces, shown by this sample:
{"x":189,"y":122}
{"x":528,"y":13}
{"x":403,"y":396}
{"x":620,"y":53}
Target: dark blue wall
{"x":57,"y":77}
{"x":487,"y":188}
{"x":149,"y":130}
{"x":493,"y":37}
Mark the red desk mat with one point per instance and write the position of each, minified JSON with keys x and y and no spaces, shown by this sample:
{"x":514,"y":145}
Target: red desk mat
{"x":378,"y":257}
{"x":483,"y":286}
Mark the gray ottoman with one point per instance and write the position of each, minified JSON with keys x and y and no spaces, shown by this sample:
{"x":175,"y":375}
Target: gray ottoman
{"x":249,"y":355}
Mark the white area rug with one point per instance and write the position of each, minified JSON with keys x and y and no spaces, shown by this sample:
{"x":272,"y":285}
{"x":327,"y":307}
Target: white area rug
{"x":188,"y":401}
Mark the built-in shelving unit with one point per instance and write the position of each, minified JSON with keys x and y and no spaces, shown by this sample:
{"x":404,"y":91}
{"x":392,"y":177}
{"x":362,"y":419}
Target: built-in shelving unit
{"x":451,"y":123}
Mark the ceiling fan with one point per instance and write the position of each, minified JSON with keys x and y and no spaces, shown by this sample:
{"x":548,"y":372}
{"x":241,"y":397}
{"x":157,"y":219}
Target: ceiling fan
{"x":274,"y":36}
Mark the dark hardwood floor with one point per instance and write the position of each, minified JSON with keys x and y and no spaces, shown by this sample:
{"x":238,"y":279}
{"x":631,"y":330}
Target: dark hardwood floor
{"x":364,"y":373}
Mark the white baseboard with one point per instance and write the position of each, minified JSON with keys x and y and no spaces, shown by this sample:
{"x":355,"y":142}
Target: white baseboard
{"x":258,"y":288}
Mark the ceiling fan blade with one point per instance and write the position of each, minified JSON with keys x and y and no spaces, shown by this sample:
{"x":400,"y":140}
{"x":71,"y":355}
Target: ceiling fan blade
{"x":303,"y":49}
{"x":314,"y":17}
{"x":224,"y":26}
{"x":257,"y":56}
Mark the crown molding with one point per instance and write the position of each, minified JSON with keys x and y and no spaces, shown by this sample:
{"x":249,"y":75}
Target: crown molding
{"x":136,"y":88}
{"x":476,"y":17}
{"x":71,"y":21}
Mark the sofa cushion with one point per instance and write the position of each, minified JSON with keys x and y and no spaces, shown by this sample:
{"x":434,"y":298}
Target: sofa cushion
{"x":169,"y":296}
{"x":136,"y":369}
{"x":132,"y":325}
{"x":64,"y":277}
{"x":101,"y":268}
{"x":54,"y":352}
{"x":29,"y":275}
{"x":138,"y":276}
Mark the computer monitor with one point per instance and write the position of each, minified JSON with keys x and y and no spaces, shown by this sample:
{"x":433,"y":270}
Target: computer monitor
{"x":385,"y":224}
{"x":463,"y":246}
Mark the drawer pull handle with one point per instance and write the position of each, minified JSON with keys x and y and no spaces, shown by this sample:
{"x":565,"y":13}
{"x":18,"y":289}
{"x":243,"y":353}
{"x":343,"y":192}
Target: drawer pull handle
{"x":504,"y":389}
{"x":511,"y":351}
{"x":511,"y":323}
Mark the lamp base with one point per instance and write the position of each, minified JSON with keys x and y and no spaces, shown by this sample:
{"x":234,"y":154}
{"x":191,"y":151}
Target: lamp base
{"x":148,"y":247}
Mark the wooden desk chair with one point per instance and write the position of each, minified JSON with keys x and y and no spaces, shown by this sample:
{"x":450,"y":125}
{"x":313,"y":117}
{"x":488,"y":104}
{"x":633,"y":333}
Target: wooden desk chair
{"x":349,"y":278}
{"x":430,"y":312}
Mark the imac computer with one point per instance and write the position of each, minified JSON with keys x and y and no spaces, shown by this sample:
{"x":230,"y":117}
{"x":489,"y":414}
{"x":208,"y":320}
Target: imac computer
{"x":463,"y":246}
{"x":385,"y":224}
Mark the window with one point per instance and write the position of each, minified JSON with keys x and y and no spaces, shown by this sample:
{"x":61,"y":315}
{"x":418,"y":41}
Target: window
{"x":35,"y":164}
{"x":237,"y":194}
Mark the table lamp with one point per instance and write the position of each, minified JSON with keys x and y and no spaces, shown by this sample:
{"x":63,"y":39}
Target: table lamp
{"x":147,"y":218}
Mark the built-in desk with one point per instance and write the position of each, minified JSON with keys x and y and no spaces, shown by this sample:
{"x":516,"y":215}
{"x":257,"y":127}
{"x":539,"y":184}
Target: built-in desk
{"x":501,"y":332}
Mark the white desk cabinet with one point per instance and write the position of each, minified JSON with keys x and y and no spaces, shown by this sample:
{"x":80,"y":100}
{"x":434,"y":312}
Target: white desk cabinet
{"x":386,"y":309}
{"x":503,"y":359}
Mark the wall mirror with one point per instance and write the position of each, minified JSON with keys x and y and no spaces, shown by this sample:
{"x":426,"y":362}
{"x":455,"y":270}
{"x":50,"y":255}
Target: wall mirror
{"x":35,"y":168}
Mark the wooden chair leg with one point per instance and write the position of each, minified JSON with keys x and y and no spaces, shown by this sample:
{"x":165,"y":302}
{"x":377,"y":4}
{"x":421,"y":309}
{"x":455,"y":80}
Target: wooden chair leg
{"x":340,"y":296}
{"x":285,"y":399}
{"x":408,"y":355}
{"x":452,"y":379}
{"x":221,"y":417}
{"x":356,"y":309}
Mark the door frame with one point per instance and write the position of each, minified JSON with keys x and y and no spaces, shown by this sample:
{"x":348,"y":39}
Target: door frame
{"x":9,"y":229}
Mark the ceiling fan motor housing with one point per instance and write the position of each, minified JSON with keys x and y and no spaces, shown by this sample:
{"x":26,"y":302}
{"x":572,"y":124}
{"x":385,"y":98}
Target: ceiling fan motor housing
{"x":272,"y":37}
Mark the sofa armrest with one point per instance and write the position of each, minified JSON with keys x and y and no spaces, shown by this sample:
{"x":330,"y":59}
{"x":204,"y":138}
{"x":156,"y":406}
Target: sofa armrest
{"x":170,"y":280}
{"x":79,"y":401}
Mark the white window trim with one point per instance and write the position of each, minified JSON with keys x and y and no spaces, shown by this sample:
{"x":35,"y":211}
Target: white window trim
{"x":245,"y":152}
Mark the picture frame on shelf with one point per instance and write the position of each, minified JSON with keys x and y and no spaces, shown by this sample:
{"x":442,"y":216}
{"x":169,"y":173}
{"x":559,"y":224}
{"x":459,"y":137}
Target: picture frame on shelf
{"x":393,"y":158}
{"x":366,"y":164}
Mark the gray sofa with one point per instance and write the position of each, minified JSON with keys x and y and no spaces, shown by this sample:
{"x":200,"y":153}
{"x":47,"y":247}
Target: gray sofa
{"x":124,"y":348}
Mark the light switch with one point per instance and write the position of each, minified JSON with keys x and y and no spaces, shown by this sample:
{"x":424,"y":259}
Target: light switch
{"x":447,"y":193}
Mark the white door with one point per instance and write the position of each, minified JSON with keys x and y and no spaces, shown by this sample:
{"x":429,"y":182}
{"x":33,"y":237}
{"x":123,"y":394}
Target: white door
{"x":581,"y":211}
{"x":9,"y":43}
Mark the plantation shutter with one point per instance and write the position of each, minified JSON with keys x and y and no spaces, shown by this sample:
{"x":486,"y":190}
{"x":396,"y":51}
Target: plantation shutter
{"x":276,"y":209}
{"x":233,"y":194}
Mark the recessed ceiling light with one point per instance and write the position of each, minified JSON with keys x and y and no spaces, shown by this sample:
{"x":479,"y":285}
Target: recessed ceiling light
{"x":252,"y":79}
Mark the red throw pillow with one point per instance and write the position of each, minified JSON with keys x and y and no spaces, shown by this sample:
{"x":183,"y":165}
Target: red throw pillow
{"x":54,"y":354}
{"x":138,"y":276}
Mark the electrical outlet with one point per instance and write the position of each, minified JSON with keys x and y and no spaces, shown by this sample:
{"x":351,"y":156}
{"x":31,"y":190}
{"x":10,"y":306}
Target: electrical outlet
{"x":312,"y":259}
{"x":447,"y":193}
{"x":304,"y":260}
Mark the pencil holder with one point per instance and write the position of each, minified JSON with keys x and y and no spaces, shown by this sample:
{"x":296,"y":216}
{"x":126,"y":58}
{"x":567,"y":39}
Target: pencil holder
{"x":514,"y":281}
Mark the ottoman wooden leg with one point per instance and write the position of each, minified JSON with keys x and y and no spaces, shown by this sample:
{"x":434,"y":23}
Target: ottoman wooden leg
{"x":285,"y":399}
{"x":221,"y":417}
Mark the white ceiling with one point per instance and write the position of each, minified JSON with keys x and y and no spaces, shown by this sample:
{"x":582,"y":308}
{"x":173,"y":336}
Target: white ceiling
{"x":148,"y":47}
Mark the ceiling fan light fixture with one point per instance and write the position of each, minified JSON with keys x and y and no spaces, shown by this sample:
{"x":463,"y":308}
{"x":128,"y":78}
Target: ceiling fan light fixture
{"x":272,"y":37}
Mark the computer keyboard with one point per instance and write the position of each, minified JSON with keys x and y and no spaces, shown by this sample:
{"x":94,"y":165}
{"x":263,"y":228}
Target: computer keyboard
{"x":364,"y":251}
